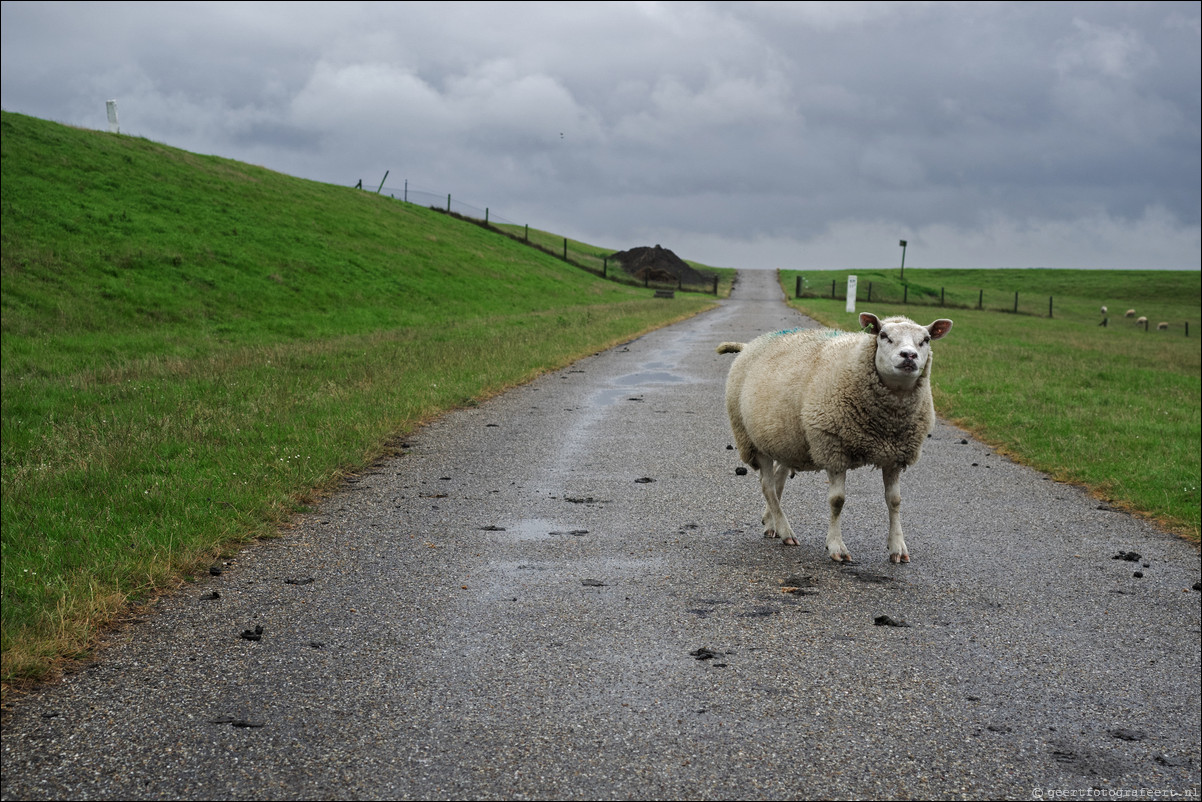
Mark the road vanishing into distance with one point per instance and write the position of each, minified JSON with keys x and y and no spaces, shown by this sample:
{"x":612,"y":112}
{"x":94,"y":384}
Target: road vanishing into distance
{"x":564,"y":593}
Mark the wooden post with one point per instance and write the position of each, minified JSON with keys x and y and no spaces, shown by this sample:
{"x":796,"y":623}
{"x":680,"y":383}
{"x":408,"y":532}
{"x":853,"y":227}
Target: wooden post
{"x":715,"y":286}
{"x":832,"y":290}
{"x":941,"y":296}
{"x":1016,"y":303}
{"x":448,"y":201}
{"x":1049,"y":306}
{"x":870,"y":292}
{"x":797,"y":292}
{"x":565,"y":249}
{"x":980,"y":299}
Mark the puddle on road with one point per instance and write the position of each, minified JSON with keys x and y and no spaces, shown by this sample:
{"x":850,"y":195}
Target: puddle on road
{"x":625,"y":384}
{"x":537,"y":529}
{"x":648,"y":377}
{"x":527,"y":529}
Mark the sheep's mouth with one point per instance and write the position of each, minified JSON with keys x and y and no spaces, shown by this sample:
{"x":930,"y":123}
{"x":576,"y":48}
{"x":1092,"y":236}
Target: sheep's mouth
{"x":908,"y":366}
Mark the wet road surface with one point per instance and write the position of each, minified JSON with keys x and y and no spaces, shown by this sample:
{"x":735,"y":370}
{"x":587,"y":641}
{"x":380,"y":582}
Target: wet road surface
{"x":564,"y":593}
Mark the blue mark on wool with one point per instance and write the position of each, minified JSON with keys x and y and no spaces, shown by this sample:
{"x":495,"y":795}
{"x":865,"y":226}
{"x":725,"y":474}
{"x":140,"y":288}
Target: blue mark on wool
{"x":823,"y":332}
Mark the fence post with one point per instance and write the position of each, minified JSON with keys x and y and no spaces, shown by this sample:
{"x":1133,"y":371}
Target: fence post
{"x":1049,"y":306}
{"x":1016,"y":303}
{"x":715,"y":286}
{"x":797,"y":292}
{"x":565,"y":249}
{"x":604,"y":267}
{"x":870,"y":292}
{"x":941,"y":296}
{"x":981,"y":299}
{"x":832,"y":290}
{"x":448,"y":202}
{"x":406,"y":190}
{"x":485,"y":215}
{"x":526,"y":236}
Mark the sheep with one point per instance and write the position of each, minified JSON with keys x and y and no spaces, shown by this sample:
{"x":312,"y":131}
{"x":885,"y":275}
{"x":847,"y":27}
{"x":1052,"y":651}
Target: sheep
{"x":1130,"y":313}
{"x":1104,"y":310}
{"x":1141,"y":321}
{"x":1162,"y":326}
{"x":810,"y":400}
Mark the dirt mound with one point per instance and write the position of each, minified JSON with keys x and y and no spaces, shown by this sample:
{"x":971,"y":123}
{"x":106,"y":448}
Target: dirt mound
{"x":657,"y":264}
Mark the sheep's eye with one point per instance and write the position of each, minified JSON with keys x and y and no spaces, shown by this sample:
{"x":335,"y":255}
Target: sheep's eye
{"x":927,"y":340}
{"x":885,"y":337}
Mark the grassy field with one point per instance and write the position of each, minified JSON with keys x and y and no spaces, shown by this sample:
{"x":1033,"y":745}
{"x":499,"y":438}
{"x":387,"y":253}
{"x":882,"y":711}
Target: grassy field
{"x":1115,"y":408}
{"x":193,"y":349}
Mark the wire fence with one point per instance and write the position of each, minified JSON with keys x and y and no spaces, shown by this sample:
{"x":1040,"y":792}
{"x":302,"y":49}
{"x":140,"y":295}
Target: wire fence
{"x":593,"y":260}
{"x":957,"y":298}
{"x":891,"y":292}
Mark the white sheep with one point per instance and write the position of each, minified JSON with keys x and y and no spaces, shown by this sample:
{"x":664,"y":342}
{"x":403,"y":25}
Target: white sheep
{"x":810,"y":400}
{"x":1130,"y":313}
{"x":1141,"y":321}
{"x":1162,"y":326}
{"x":1104,"y":310}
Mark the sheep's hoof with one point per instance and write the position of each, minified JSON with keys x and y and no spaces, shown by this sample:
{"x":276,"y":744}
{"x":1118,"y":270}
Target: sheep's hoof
{"x":841,"y":558}
{"x":790,"y":541}
{"x":770,"y":533}
{"x":899,"y":558}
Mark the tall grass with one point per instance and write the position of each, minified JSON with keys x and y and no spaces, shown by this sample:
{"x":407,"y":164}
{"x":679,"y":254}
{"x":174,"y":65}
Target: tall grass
{"x":1115,"y":408}
{"x":194,"y":349}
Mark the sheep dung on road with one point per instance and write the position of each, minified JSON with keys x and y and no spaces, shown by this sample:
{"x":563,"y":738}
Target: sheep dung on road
{"x":824,"y":400}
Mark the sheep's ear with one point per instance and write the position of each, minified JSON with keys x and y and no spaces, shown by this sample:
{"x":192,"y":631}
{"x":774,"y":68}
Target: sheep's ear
{"x":939,"y":328}
{"x":870,"y":323}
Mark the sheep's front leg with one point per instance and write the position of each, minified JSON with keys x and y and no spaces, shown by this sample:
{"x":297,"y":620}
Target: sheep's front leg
{"x":772,"y":482}
{"x":835,"y":497}
{"x":896,"y":542}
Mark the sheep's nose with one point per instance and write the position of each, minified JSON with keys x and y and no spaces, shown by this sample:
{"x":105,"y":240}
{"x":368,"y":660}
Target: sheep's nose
{"x":909,"y":355}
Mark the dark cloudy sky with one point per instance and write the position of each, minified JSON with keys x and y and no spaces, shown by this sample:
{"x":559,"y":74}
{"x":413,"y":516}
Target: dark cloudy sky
{"x":744,"y":134}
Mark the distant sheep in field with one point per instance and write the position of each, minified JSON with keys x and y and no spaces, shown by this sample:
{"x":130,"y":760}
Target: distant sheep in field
{"x":1141,"y":321}
{"x":823,"y":400}
{"x":1104,"y":310}
{"x":1162,"y":326}
{"x":1130,"y":313}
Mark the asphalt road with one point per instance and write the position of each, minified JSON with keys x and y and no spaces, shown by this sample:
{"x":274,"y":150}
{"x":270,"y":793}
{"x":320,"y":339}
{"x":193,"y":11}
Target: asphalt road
{"x":564,"y":594}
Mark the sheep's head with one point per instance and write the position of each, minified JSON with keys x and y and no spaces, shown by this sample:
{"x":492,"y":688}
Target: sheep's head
{"x":903,"y":348}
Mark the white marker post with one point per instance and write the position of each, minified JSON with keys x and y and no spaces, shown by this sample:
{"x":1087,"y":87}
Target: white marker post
{"x":851,"y":293}
{"x":111,"y":105}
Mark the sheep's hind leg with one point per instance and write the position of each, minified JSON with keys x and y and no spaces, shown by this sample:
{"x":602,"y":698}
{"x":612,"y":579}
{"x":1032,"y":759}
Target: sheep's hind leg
{"x":772,"y":482}
{"x":835,"y":497}
{"x":897,"y":541}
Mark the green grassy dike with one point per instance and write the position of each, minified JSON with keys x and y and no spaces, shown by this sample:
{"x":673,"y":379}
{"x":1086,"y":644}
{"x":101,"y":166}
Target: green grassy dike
{"x":194,"y":349}
{"x":1115,"y":408}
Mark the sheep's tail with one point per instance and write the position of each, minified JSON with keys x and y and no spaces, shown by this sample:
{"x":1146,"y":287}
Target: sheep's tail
{"x":730,"y":348}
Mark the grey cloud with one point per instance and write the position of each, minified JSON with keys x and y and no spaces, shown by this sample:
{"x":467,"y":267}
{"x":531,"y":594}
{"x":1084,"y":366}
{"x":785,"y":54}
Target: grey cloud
{"x":738,"y":128}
